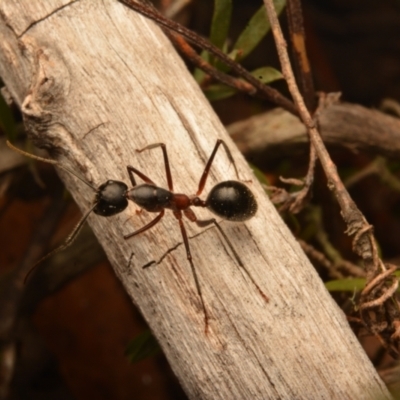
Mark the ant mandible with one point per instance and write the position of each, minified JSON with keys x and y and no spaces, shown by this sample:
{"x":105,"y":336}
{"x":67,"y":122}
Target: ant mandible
{"x":230,"y":200}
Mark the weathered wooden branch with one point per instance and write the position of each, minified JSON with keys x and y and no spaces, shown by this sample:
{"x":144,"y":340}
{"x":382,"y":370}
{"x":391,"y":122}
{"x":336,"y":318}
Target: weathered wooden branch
{"x":277,"y":133}
{"x":95,"y":82}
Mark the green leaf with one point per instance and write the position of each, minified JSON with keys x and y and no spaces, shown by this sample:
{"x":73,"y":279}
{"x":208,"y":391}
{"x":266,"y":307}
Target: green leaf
{"x":267,"y":74}
{"x":7,"y":122}
{"x":142,"y":347}
{"x":218,"y":91}
{"x":256,"y":29}
{"x":345,"y":285}
{"x":221,"y":21}
{"x":220,"y":65}
{"x":349,"y":284}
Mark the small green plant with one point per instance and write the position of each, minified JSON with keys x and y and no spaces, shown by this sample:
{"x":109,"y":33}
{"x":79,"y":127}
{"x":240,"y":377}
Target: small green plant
{"x":256,"y":29}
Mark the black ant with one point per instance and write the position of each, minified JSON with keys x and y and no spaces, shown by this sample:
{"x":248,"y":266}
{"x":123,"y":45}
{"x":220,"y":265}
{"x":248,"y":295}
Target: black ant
{"x":230,"y":200}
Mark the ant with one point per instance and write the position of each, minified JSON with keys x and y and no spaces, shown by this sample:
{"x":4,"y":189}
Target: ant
{"x":230,"y":200}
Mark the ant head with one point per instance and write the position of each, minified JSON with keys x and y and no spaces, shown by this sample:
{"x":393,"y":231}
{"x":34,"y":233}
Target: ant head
{"x":110,"y":198}
{"x":232,"y":200}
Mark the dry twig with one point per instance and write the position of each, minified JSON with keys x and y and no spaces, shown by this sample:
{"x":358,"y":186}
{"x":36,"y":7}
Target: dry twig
{"x":271,"y":94}
{"x":364,"y":242}
{"x":301,"y":62}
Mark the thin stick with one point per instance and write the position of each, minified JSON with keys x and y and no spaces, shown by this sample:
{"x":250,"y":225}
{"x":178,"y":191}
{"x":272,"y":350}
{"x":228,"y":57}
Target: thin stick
{"x":297,"y":35}
{"x":239,"y":84}
{"x":364,"y":243}
{"x":270,"y":93}
{"x":350,"y":212}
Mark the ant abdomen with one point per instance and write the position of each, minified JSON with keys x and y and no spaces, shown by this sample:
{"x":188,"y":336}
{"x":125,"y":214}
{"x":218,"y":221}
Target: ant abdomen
{"x":111,"y":198}
{"x":232,"y":200}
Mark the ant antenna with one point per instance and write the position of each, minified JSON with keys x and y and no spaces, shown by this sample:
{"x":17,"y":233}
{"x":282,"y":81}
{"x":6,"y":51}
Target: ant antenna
{"x":72,"y":236}
{"x":70,"y":239}
{"x":49,"y":161}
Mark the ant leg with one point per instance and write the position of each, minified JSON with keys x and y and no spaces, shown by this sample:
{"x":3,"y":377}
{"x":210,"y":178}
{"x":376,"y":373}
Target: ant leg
{"x":203,"y":223}
{"x":207,"y":168}
{"x":70,"y":239}
{"x":178,"y":216}
{"x":146,"y":227}
{"x":166,"y":162}
{"x":133,"y":170}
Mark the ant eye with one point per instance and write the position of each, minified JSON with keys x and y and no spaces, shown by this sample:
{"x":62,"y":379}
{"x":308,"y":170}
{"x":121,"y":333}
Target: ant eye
{"x":111,"y":198}
{"x":232,"y":200}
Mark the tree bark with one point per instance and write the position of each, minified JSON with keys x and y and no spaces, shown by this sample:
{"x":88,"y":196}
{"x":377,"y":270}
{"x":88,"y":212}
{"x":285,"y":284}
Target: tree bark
{"x":96,"y":81}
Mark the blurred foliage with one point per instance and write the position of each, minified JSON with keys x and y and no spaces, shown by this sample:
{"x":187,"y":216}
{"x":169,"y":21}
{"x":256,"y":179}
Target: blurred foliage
{"x":221,"y":22}
{"x":256,"y":29}
{"x":219,"y":91}
{"x":261,"y":177}
{"x":346,"y":285}
{"x":350,"y":284}
{"x":141,"y":347}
